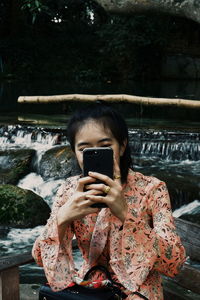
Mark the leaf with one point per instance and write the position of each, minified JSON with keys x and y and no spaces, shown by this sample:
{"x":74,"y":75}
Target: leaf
{"x":34,"y":18}
{"x":37,"y":3}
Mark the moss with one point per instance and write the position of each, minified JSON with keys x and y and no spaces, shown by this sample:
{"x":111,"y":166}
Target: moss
{"x":21,"y":208}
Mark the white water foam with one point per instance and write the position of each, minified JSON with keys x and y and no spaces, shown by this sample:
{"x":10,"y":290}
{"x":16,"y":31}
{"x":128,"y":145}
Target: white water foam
{"x":45,"y":189}
{"x":28,"y":137}
{"x":19,"y":240}
{"x":187,"y":208}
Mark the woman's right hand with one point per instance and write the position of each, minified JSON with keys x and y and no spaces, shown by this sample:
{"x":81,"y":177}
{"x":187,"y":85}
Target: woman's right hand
{"x":78,"y":206}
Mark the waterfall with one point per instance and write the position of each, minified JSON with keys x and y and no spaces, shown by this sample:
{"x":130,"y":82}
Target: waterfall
{"x":186,"y":208}
{"x":29,"y":137}
{"x":173,"y":156}
{"x":167,"y":145}
{"x":35,"y":183}
{"x":175,"y":146}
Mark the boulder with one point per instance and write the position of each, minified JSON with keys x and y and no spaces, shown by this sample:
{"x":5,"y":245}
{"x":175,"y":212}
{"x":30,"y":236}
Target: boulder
{"x":14,"y":164}
{"x":183,"y":188}
{"x":184,"y":8}
{"x":21,"y":208}
{"x":193,"y":216}
{"x":29,"y":291}
{"x":58,"y":163}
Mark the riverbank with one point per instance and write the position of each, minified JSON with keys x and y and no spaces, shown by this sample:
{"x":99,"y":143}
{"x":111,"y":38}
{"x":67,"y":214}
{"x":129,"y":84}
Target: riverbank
{"x":29,"y":291}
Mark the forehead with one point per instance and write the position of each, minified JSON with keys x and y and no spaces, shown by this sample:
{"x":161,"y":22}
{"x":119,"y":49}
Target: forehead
{"x":92,"y":128}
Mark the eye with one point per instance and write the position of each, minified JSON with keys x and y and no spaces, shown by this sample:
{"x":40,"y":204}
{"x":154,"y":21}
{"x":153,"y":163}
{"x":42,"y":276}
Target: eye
{"x":106,"y":145}
{"x":82,"y":148}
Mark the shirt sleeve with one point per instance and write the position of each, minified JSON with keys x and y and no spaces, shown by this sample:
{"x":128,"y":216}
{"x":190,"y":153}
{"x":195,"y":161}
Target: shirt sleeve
{"x":146,"y":248}
{"x":55,"y":256}
{"x":171,"y":253}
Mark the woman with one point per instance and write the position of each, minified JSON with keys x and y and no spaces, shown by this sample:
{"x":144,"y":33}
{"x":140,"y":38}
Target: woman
{"x":134,"y":237}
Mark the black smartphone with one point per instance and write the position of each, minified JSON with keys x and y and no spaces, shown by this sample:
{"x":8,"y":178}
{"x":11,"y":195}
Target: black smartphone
{"x":99,"y":160}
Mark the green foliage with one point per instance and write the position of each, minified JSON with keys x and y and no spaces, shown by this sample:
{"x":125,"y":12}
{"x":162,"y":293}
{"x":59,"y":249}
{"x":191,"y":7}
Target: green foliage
{"x":77,"y":40}
{"x":21,"y":208}
{"x":35,"y":7}
{"x":133,"y":42}
{"x":60,"y":11}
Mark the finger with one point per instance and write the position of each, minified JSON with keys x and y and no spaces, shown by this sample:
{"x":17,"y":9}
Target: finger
{"x":87,"y":202}
{"x":117,"y":172}
{"x":102,"y":177}
{"x":88,"y":208}
{"x":99,"y":187}
{"x":97,"y":199}
{"x":93,"y":192}
{"x":83,"y":197}
{"x":84,"y":181}
{"x":93,"y":210}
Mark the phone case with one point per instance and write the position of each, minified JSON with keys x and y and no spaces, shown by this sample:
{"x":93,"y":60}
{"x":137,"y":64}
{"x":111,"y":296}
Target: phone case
{"x":98,"y":160}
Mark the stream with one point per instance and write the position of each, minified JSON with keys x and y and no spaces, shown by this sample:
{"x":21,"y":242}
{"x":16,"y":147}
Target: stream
{"x":169,"y":152}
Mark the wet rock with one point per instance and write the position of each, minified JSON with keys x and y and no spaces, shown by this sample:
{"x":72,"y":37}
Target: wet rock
{"x":29,"y":291}
{"x":58,"y":163}
{"x":183,"y":8}
{"x":14,"y":164}
{"x":193,"y":216}
{"x":21,"y":208}
{"x":183,"y":188}
{"x":4,"y":231}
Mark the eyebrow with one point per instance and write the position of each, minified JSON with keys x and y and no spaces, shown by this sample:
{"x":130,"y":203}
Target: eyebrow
{"x":100,"y":141}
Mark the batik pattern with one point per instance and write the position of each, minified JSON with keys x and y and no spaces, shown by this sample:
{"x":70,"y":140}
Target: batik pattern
{"x":136,"y":253}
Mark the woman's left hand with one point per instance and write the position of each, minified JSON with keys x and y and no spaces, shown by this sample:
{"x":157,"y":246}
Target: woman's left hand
{"x":114,"y":197}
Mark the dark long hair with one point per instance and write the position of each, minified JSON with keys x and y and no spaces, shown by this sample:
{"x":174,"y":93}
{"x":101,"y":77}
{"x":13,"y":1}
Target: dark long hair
{"x":110,"y":119}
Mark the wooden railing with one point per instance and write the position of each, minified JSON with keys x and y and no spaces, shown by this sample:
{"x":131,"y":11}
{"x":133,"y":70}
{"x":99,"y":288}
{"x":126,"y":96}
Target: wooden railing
{"x":184,"y":103}
{"x":9,"y":275}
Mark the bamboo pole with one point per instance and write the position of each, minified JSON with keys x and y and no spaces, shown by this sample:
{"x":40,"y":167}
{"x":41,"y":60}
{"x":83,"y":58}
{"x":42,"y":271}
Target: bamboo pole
{"x":111,"y":98}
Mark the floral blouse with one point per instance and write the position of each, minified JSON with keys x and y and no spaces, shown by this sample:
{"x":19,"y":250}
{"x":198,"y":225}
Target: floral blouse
{"x":135,"y":252}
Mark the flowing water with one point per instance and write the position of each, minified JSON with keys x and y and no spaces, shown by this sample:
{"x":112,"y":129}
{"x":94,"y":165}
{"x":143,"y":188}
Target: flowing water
{"x":169,"y":152}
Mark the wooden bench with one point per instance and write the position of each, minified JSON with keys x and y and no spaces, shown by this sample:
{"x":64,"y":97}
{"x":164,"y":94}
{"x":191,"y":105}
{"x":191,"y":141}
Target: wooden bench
{"x":9,"y":275}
